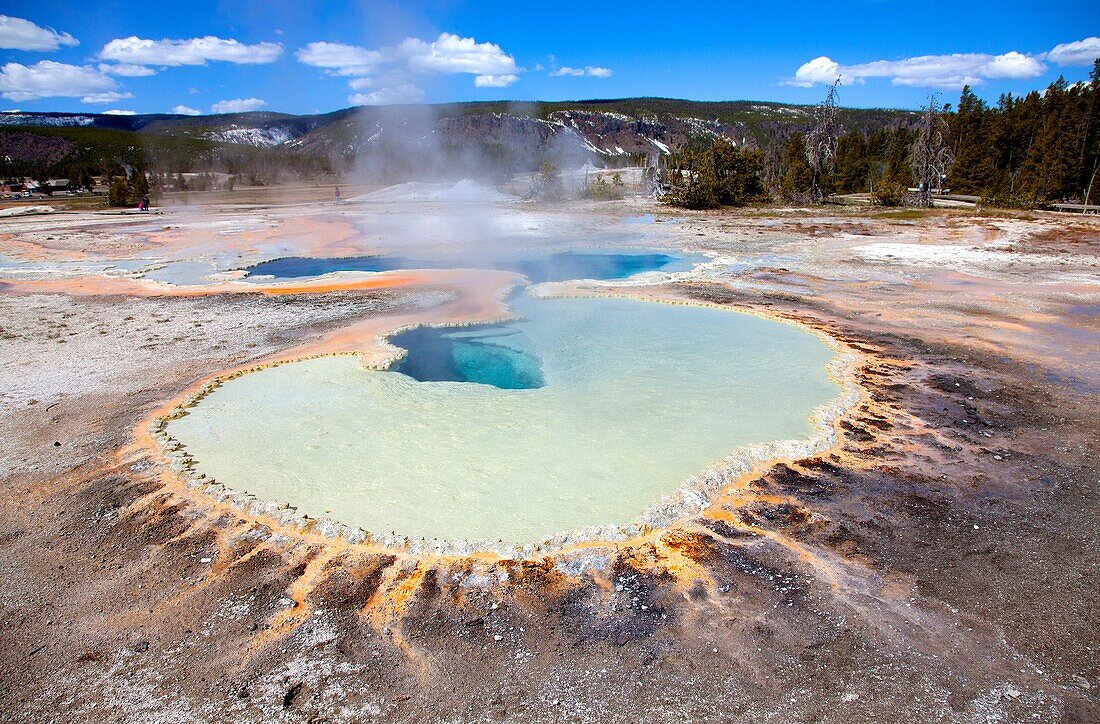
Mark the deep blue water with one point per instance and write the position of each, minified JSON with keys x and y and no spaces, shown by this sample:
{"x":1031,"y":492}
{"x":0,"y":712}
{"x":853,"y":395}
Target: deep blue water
{"x":556,"y":267}
{"x":497,"y":354}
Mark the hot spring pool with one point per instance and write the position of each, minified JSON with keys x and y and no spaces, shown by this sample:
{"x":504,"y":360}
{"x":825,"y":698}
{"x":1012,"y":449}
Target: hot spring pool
{"x":540,"y":267}
{"x":583,"y":413}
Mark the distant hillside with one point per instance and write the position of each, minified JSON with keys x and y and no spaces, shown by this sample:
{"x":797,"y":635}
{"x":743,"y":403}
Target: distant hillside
{"x":402,"y":140}
{"x":59,"y":149}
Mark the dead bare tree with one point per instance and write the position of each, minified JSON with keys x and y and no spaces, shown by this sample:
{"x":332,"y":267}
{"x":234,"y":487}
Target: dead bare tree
{"x":821,"y":141}
{"x":930,"y":155}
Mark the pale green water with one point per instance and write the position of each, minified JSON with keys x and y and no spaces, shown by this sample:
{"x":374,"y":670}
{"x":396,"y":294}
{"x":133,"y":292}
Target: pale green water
{"x":638,"y":396}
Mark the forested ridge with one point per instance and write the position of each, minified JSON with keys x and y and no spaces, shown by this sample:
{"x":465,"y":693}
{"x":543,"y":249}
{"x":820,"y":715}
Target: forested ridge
{"x":1024,"y":151}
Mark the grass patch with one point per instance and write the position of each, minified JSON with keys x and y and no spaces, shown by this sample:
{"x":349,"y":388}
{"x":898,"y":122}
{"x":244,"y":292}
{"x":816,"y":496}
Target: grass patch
{"x":995,"y":213}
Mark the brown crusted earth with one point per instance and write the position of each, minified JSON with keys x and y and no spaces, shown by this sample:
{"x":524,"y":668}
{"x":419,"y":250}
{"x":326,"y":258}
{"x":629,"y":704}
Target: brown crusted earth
{"x":941,"y":565}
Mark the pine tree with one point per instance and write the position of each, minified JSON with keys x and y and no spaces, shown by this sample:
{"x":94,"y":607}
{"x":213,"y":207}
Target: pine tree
{"x":970,"y":136}
{"x":139,"y":186}
{"x":1051,"y":155}
{"x":1090,"y":143}
{"x":897,"y":156}
{"x":853,"y":164}
{"x":119,"y":193}
{"x":798,"y":180}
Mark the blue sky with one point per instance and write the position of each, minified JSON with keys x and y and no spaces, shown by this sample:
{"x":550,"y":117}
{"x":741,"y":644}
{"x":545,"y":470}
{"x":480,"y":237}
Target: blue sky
{"x":312,"y":56}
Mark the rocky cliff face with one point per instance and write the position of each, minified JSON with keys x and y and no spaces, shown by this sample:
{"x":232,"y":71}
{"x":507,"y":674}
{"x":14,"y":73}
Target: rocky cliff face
{"x":567,"y":138}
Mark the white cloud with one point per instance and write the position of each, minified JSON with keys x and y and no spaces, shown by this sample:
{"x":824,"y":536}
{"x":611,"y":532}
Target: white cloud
{"x":238,"y":105}
{"x":1079,"y":52}
{"x":109,"y":97}
{"x":20,"y":34}
{"x":1011,"y":65}
{"x":48,"y":79}
{"x":341,"y":59}
{"x":495,"y":81}
{"x":593,"y":71}
{"x":942,"y":71}
{"x":819,"y":70}
{"x":119,"y":112}
{"x":193,"y":51}
{"x":183,"y":110}
{"x":361,"y":83}
{"x":450,"y":53}
{"x":404,"y":93}
{"x":126,"y":69}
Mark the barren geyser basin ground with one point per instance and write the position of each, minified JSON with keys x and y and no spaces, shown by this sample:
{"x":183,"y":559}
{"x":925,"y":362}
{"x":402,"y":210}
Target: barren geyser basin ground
{"x":811,"y":465}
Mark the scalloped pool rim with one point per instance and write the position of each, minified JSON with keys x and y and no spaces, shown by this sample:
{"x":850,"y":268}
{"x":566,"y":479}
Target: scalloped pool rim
{"x":692,"y":496}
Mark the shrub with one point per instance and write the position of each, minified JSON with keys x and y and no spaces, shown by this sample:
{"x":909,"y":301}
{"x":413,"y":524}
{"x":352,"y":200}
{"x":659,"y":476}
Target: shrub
{"x":888,"y":193}
{"x":724,"y":175}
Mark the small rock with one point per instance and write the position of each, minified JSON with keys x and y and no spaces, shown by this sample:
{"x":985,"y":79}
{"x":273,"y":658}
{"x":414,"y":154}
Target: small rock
{"x":1081,"y":682}
{"x":288,"y":697}
{"x":498,"y":637}
{"x":1012,"y":694}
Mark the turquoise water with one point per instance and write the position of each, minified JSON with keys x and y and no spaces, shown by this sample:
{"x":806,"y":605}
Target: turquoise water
{"x":538,"y":268}
{"x":500,"y":355}
{"x":621,"y":402}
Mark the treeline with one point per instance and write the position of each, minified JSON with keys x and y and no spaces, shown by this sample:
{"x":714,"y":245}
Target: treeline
{"x":1024,"y":152}
{"x":1029,"y":150}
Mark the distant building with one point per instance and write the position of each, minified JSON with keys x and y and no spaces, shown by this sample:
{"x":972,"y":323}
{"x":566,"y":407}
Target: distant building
{"x":54,"y":185}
